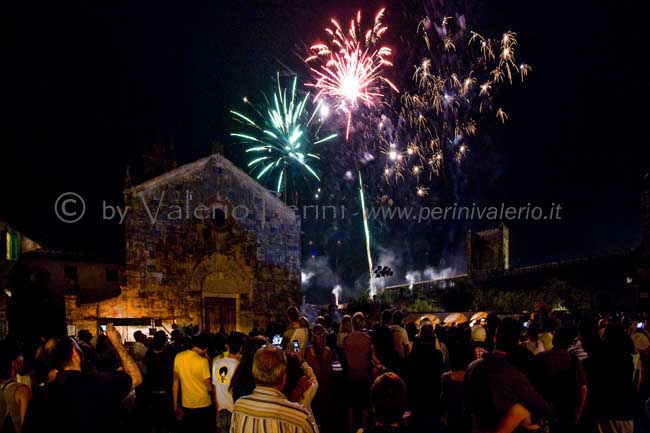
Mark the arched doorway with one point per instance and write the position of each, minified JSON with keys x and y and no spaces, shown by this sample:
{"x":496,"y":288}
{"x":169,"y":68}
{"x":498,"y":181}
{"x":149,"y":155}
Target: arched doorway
{"x":223,"y":280}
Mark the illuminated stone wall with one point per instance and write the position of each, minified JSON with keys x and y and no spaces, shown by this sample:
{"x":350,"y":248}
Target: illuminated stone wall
{"x":177,"y":254}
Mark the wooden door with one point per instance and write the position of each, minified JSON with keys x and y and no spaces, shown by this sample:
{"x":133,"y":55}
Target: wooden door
{"x":220,"y":311}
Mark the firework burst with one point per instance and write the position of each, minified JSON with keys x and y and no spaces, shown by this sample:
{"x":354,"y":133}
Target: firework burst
{"x":349,"y":69}
{"x":279,"y":135}
{"x":454,"y":86}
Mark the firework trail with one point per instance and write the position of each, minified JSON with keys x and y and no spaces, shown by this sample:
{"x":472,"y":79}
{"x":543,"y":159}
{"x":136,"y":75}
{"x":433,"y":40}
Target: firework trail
{"x":280,"y":136}
{"x":349,"y":69}
{"x":366,"y":231}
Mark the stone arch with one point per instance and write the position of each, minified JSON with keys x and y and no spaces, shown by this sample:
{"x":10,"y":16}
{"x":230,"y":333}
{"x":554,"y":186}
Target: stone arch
{"x":223,"y":274}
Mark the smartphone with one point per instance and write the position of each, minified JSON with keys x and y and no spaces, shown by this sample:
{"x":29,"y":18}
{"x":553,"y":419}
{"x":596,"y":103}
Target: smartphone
{"x":277,"y":340}
{"x":639,"y":325}
{"x":526,"y":324}
{"x":296,"y":346}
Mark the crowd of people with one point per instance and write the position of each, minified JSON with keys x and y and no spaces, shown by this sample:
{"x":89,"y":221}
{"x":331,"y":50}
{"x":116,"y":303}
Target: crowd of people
{"x":540,"y":372}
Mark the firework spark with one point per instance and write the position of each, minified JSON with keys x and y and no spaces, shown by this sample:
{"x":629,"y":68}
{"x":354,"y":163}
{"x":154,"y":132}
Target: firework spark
{"x":502,"y":115}
{"x":279,"y":138}
{"x":349,"y":69}
{"x":422,"y":191}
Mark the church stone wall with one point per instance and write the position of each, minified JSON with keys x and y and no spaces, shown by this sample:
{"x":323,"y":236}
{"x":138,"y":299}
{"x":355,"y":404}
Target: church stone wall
{"x":205,"y":230}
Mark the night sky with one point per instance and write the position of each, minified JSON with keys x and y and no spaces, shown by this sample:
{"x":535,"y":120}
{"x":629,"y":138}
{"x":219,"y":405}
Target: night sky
{"x":88,"y":86}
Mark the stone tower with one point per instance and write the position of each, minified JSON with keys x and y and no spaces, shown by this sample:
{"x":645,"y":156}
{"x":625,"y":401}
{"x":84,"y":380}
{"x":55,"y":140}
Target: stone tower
{"x":488,"y":250}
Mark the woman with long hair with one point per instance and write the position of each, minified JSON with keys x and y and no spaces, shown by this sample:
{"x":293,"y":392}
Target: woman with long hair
{"x":344,"y":330}
{"x":242,"y":383}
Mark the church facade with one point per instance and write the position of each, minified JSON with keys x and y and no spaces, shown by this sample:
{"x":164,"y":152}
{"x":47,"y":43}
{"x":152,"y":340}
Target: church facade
{"x":205,"y":245}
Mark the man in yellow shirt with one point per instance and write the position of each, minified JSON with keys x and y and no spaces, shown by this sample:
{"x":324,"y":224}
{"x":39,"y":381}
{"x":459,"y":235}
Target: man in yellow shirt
{"x":192,"y":377}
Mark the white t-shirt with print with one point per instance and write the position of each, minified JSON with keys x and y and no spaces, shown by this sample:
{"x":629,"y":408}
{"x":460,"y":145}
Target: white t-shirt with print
{"x":222,"y":371}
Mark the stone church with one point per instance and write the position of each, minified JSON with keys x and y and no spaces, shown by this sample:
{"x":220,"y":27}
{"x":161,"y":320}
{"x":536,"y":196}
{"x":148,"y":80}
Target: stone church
{"x":205,"y":245}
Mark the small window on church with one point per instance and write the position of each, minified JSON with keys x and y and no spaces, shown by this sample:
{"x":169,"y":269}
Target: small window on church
{"x":218,"y":218}
{"x":12,"y":246}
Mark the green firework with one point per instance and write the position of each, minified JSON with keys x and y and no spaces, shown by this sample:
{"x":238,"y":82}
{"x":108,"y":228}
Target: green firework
{"x":280,"y":135}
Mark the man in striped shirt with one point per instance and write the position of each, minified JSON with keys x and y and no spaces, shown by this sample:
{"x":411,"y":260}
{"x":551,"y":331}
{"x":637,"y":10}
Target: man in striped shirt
{"x":267,"y":409}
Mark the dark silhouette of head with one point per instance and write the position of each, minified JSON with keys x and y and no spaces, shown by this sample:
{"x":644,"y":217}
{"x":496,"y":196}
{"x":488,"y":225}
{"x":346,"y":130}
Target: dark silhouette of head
{"x":139,"y":337}
{"x":386,"y":317}
{"x":235,"y":342}
{"x":388,"y":398}
{"x":159,"y":340}
{"x":461,"y":354}
{"x":85,"y":336}
{"x":66,"y":354}
{"x":426,"y":333}
{"x":563,"y":338}
{"x":201,"y":343}
{"x":293,"y":314}
{"x":507,"y":335}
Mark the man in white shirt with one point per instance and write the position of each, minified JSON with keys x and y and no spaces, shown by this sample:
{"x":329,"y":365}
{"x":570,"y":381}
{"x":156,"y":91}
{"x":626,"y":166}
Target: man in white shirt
{"x":222,"y":372}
